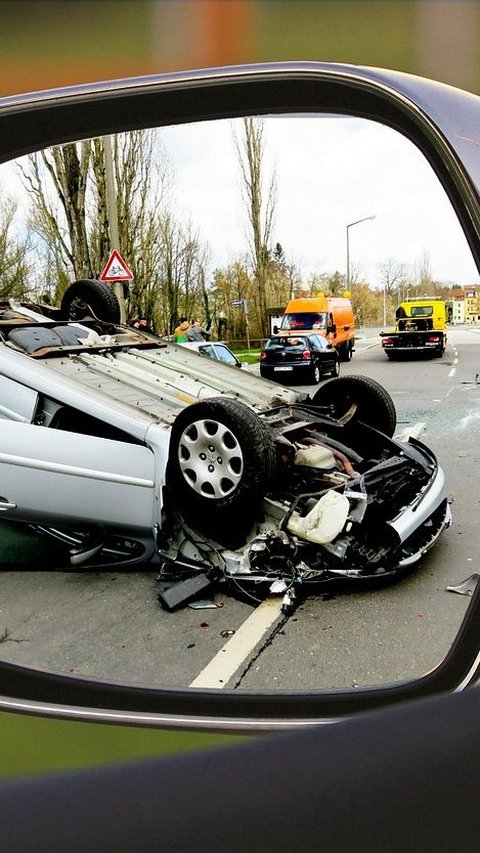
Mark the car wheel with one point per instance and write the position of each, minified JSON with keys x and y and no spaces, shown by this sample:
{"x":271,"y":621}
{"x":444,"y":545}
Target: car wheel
{"x":373,"y":403}
{"x":222,"y":456}
{"x":336,"y":369}
{"x":345,"y":351}
{"x":316,"y":375}
{"x":89,"y":296}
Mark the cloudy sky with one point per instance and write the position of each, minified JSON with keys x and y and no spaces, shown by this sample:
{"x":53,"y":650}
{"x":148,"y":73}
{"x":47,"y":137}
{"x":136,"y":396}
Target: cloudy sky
{"x":330,"y":172}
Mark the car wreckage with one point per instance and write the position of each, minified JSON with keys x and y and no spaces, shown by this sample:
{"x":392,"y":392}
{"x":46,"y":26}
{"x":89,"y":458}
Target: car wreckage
{"x":133,"y":451}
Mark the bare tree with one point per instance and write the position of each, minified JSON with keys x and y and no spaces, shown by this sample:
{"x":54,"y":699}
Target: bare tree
{"x":14,"y":266}
{"x":67,"y":167}
{"x":394,"y":283}
{"x":69,"y":209}
{"x":260,"y":205}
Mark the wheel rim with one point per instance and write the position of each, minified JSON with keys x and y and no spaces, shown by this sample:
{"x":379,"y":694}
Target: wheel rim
{"x":210,"y":459}
{"x":316,"y":374}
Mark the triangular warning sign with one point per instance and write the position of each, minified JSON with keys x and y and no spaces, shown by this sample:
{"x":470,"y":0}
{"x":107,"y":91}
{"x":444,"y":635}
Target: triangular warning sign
{"x":116,"y":269}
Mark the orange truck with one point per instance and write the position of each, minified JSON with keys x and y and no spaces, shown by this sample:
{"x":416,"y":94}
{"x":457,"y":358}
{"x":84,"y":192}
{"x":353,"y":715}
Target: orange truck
{"x":332,"y":316}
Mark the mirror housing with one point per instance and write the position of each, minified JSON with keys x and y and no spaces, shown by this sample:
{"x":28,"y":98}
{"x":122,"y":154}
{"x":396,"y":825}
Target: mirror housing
{"x":440,"y":121}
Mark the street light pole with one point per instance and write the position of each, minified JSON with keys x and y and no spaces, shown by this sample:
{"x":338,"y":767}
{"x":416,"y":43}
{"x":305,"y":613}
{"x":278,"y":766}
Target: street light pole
{"x":111,"y":201}
{"x":350,"y":225}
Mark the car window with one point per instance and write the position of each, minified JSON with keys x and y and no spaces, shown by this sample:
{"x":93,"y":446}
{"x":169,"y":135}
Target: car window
{"x":422,"y":311}
{"x":287,"y":342}
{"x":224,"y":354}
{"x":319,"y":342}
{"x":207,"y":350}
{"x":296,"y":343}
{"x":304,"y":320}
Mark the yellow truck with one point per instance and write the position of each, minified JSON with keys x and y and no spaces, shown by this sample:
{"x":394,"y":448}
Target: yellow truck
{"x":420,"y":328}
{"x":330,"y":316}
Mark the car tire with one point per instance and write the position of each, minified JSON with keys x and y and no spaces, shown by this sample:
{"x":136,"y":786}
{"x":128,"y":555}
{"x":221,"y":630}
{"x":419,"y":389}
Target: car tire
{"x":89,"y":296}
{"x":315,"y":375}
{"x":222,"y":456}
{"x":374,"y":406}
{"x":345,"y":351}
{"x":336,"y":370}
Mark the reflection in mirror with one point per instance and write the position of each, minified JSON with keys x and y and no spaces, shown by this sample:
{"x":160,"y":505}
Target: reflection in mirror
{"x":277,"y":549}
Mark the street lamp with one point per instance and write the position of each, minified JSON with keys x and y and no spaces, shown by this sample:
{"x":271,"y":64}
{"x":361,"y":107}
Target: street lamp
{"x":350,"y":225}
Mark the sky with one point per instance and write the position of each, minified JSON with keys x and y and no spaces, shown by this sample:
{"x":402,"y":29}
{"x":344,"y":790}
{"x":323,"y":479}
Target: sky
{"x":330,"y":172}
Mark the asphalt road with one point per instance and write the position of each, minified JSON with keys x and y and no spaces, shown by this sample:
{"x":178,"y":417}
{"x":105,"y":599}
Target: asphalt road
{"x":111,"y":625}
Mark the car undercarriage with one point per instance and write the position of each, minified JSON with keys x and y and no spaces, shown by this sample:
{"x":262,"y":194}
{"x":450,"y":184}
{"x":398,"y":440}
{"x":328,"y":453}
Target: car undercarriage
{"x":245,"y":483}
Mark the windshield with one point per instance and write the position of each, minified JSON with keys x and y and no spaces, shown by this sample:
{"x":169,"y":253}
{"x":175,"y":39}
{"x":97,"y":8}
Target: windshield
{"x":305,"y":320}
{"x":421,"y":311}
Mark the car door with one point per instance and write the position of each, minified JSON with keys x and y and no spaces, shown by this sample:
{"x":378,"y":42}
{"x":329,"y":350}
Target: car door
{"x":323,"y":353}
{"x":53,"y":476}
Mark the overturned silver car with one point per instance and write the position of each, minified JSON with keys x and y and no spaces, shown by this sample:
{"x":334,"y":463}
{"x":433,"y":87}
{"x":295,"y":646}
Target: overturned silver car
{"x":132,"y":451}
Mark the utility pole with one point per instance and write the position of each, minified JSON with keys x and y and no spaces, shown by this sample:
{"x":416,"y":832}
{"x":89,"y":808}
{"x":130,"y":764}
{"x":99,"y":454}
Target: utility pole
{"x":113,"y":218}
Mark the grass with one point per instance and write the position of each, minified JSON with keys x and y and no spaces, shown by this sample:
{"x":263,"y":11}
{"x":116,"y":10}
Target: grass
{"x":249,"y":356}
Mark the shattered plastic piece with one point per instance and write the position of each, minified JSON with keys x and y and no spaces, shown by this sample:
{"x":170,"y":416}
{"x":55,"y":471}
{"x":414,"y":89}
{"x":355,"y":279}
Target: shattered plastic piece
{"x":324,"y":522}
{"x":278,"y":587}
{"x":203,"y":604}
{"x":467,"y":587}
{"x":228,"y":633}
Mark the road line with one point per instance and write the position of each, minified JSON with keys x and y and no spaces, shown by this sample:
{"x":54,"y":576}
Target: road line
{"x":452,"y":372}
{"x":226,"y":662}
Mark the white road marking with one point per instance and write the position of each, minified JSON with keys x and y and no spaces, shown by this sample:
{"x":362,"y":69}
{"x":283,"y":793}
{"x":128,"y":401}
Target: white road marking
{"x":411,"y":432}
{"x":226,"y":662}
{"x":452,"y":372}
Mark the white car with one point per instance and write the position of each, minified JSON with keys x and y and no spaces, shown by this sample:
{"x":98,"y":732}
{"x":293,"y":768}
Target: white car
{"x":216,"y":350}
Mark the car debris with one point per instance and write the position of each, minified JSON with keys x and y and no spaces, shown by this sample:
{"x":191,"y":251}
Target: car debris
{"x":467,"y":587}
{"x":128,"y":450}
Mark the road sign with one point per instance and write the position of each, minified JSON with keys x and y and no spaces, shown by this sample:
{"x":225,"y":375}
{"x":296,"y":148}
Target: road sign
{"x":237,"y":303}
{"x":116,"y":269}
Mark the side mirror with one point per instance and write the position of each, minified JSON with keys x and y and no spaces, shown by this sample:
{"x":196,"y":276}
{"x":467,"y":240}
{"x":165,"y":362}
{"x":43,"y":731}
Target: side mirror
{"x":435,"y":121}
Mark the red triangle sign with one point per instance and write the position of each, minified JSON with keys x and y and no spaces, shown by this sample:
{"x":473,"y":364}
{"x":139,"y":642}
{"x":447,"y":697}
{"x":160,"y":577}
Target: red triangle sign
{"x":116,"y":269}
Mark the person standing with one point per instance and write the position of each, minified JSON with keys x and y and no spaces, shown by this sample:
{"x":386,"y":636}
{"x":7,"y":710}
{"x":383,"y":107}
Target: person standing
{"x":180,"y":333}
{"x":197,"y":332}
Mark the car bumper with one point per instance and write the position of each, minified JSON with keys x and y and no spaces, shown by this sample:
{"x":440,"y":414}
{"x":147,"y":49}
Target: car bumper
{"x":419,"y":525}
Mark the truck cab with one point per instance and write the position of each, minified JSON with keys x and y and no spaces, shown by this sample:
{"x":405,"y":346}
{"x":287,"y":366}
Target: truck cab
{"x":330,"y":316}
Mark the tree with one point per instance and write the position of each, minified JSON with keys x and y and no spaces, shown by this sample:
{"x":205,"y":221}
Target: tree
{"x":14,"y":266}
{"x":66,"y":236}
{"x":394,"y":285}
{"x":231,"y":284}
{"x":260,"y":205}
{"x":70,"y":213}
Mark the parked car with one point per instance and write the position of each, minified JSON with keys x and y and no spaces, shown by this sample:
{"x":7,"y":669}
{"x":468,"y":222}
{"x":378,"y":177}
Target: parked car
{"x":216,"y":350}
{"x":304,"y":358}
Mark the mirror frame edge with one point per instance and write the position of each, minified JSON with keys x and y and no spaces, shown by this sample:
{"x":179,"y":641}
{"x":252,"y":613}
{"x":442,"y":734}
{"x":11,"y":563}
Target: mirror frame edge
{"x":61,"y":117}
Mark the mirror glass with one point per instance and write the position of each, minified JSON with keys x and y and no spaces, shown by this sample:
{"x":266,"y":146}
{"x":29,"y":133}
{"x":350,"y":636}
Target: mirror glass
{"x":198,"y":212}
